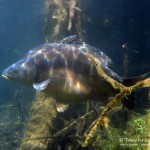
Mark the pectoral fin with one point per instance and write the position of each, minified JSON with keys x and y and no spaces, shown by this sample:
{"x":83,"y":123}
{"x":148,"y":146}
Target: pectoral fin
{"x":61,"y":107}
{"x":41,"y":86}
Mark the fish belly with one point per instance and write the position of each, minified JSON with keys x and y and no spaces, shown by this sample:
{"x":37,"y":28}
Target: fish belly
{"x":76,"y":88}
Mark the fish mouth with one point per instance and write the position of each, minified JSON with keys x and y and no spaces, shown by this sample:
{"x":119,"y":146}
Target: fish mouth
{"x":6,"y":77}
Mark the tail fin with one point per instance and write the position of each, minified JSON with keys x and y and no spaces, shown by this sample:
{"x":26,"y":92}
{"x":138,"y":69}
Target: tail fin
{"x":129,"y":101}
{"x":134,"y":80}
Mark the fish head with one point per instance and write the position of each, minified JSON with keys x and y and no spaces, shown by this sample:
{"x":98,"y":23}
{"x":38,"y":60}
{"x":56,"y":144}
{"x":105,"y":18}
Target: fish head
{"x":32,"y":68}
{"x":22,"y":71}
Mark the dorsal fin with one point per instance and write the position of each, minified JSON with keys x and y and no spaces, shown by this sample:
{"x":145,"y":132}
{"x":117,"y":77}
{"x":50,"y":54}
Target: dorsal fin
{"x":70,"y":39}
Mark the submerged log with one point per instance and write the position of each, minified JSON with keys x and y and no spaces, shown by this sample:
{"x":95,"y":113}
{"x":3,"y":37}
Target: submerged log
{"x":38,"y":131}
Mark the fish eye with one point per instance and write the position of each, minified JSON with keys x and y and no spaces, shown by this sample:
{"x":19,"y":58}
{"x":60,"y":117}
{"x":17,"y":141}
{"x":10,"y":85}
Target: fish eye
{"x":15,"y":70}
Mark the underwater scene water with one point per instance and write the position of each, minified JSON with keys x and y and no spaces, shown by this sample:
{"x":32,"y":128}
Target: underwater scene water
{"x":86,"y":87}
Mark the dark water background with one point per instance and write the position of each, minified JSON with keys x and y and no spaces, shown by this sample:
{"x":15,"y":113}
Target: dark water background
{"x":21,"y":24}
{"x":107,"y":25}
{"x":118,"y":22}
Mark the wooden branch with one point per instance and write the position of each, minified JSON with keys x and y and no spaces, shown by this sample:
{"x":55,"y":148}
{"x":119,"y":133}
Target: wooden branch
{"x":124,"y":91}
{"x":64,"y":130}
